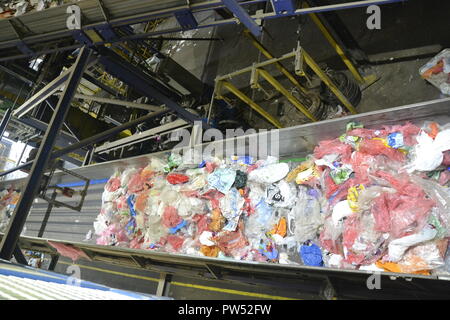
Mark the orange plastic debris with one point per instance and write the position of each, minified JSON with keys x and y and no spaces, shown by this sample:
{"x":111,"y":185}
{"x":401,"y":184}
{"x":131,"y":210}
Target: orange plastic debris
{"x":212,"y":251}
{"x":280,"y":228}
{"x":218,"y":221}
{"x":395,"y":267}
{"x":434,"y":130}
{"x":141,"y":202}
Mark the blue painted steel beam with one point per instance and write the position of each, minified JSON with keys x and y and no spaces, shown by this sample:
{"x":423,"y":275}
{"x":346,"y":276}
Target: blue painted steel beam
{"x":243,"y":16}
{"x":141,"y":82}
{"x":283,"y":6}
{"x":186,"y":19}
{"x":17,"y":221}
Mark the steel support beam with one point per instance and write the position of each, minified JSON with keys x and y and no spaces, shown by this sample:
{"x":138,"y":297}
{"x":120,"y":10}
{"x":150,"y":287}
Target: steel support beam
{"x":43,"y":94}
{"x":243,"y":16}
{"x":94,"y":139}
{"x":16,"y":75}
{"x":142,"y":136}
{"x":17,"y":221}
{"x":143,"y":83}
{"x":130,"y":104}
{"x":20,"y":258}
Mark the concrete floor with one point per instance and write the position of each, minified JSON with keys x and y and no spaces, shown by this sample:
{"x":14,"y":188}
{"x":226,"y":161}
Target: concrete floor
{"x":411,"y":34}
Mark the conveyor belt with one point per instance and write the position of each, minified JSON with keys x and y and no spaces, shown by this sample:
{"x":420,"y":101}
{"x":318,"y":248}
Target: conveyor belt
{"x":295,"y":141}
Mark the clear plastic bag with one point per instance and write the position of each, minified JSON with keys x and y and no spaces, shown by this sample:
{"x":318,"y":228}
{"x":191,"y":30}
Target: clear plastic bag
{"x":398,"y":247}
{"x":305,"y":218}
{"x":441,"y":198}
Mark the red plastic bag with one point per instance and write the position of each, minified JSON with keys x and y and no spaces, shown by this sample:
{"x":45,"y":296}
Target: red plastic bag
{"x":231,"y":240}
{"x":376,"y":147}
{"x":214,"y":196}
{"x":113,"y":184}
{"x":380,"y":212}
{"x":333,"y":146}
{"x":177,"y":178}
{"x":202,"y":223}
{"x":400,"y":215}
{"x":170,"y":217}
{"x":402,"y":184}
{"x":175,"y":241}
{"x":446,"y":161}
{"x":136,"y":183}
{"x":408,"y":130}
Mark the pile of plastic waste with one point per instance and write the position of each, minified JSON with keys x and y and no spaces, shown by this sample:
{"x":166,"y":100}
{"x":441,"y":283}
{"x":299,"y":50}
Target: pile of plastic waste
{"x":371,"y":199}
{"x":8,"y":201}
{"x":19,"y":7}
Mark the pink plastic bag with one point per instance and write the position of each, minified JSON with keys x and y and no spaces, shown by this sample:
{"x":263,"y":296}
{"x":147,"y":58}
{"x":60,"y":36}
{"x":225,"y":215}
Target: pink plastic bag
{"x":333,"y":146}
{"x":69,"y":251}
{"x":214,"y":196}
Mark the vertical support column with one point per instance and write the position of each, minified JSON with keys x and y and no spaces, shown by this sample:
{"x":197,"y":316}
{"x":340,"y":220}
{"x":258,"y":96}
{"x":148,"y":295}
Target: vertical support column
{"x":23,"y":207}
{"x":164,"y":285}
{"x":20,"y":258}
{"x":53,"y":262}
{"x":5,"y":121}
